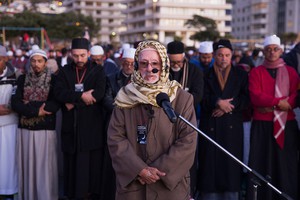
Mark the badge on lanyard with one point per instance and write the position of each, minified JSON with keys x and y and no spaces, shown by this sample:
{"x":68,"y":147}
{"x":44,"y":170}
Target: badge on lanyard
{"x":142,"y":134}
{"x":79,"y":87}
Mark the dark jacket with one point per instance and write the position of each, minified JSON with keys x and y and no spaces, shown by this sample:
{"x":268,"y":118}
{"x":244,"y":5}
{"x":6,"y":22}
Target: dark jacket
{"x":292,"y":58}
{"x":217,"y":171}
{"x":81,"y":126}
{"x":194,"y":83}
{"x":113,"y":85}
{"x":31,"y":109}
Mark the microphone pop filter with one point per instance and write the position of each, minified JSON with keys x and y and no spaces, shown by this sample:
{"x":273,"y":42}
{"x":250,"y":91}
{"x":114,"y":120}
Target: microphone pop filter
{"x":162,"y":97}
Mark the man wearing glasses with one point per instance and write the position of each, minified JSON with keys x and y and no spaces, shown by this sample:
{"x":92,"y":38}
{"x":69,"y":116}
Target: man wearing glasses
{"x":121,"y":78}
{"x":191,"y":79}
{"x":187,"y":74}
{"x":274,"y":132}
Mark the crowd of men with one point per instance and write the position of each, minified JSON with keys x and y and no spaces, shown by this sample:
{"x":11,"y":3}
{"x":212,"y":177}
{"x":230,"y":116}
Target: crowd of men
{"x":115,"y":132}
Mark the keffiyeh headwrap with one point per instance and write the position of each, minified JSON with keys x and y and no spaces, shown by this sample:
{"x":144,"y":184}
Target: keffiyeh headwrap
{"x":140,"y":92}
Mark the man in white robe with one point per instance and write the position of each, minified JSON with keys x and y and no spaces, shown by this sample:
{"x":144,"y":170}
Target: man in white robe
{"x":8,"y":129}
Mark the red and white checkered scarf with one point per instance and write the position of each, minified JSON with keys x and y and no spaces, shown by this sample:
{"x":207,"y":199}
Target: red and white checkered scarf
{"x":282,"y":86}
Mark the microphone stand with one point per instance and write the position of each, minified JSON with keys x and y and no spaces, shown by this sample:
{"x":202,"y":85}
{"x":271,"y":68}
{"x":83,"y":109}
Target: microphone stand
{"x":256,"y":174}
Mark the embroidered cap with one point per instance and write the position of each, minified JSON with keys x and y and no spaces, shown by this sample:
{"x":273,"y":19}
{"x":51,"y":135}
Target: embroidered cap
{"x":39,"y":52}
{"x":273,"y":39}
{"x":128,"y":53}
{"x":97,"y":50}
{"x":206,"y":47}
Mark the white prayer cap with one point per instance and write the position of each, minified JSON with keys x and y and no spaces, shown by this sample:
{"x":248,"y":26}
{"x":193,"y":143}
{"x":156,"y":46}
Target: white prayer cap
{"x":206,"y":47}
{"x":35,"y":47}
{"x":128,"y":53}
{"x":190,"y":52}
{"x":97,"y":50}
{"x":125,"y":46}
{"x":18,"y":52}
{"x":39,"y":52}
{"x":117,"y":55}
{"x":9,"y":53}
{"x":273,"y":39}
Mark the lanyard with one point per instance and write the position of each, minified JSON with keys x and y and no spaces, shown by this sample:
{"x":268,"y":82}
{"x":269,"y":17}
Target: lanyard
{"x":77,"y":75}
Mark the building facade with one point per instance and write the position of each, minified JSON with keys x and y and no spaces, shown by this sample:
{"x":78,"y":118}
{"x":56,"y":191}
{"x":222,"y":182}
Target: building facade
{"x":164,"y":20}
{"x":107,"y":13}
{"x":255,"y":19}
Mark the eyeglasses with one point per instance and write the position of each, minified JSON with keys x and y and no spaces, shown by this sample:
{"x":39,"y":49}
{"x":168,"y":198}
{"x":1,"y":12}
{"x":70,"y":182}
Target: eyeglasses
{"x":154,"y":64}
{"x":178,"y":63}
{"x":269,"y":50}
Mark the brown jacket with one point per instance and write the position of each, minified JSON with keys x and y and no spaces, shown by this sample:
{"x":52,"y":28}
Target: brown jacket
{"x":170,"y":148}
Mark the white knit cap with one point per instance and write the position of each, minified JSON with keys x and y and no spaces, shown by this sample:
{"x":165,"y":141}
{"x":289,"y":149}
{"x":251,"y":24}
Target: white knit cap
{"x":39,"y":52}
{"x":9,"y":53}
{"x":97,"y":50}
{"x":128,"y":53}
{"x":206,"y":47}
{"x":273,"y":39}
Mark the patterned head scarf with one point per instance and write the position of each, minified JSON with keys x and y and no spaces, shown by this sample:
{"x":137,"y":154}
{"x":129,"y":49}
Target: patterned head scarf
{"x":138,"y":91}
{"x":162,"y":52}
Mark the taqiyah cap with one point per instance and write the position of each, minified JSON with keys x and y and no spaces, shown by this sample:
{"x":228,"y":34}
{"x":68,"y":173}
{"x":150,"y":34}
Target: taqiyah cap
{"x":125,"y":46}
{"x":97,"y":50}
{"x":18,"y":52}
{"x":206,"y":47}
{"x":128,"y":53}
{"x":273,"y":39}
{"x":39,"y":52}
{"x":9,"y":53}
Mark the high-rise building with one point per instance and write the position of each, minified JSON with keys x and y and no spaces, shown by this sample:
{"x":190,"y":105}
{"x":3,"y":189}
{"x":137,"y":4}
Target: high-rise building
{"x":255,"y":19}
{"x":288,"y":16}
{"x":106,"y":13}
{"x":164,"y":20}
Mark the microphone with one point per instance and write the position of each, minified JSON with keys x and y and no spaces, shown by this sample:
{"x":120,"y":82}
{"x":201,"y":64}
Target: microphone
{"x":154,"y":71}
{"x":163,"y":100}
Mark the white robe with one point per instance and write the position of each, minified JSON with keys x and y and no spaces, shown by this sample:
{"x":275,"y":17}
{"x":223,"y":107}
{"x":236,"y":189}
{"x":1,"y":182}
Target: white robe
{"x":8,"y":130}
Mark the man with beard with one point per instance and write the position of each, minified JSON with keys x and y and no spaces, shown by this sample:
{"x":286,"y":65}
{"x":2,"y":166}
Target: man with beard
{"x":151,"y":156}
{"x":205,"y":59}
{"x":80,"y":88}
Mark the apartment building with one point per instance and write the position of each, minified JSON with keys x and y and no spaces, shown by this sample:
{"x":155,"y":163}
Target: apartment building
{"x":107,"y":13}
{"x":163,"y":20}
{"x":255,"y":19}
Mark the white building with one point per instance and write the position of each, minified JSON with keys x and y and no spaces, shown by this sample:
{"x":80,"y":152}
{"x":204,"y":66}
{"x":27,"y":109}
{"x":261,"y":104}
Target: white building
{"x":107,"y":13}
{"x":164,"y":19}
